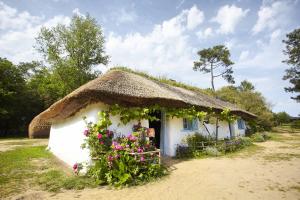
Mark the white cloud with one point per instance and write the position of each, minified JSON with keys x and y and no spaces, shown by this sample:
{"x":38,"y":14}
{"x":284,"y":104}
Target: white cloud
{"x":275,"y":34}
{"x":10,"y":18}
{"x":16,"y":43}
{"x":208,"y":32}
{"x":231,"y":43}
{"x":268,"y":54}
{"x":272,"y":16}
{"x":164,"y":50}
{"x":194,"y":17}
{"x":244,"y":55}
{"x":228,"y":17}
{"x":122,"y":16}
{"x":77,"y":12}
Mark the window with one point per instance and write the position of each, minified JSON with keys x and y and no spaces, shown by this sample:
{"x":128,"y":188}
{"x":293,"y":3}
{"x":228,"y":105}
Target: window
{"x":241,"y":124}
{"x":190,"y":124}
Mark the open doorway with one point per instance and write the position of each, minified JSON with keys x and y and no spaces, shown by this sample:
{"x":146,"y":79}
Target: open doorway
{"x":157,"y":127}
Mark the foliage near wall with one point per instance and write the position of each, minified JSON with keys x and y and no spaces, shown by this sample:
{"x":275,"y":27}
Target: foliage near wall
{"x":121,"y":160}
{"x":253,"y":101}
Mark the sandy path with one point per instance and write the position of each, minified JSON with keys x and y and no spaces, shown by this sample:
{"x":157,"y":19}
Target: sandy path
{"x":9,"y":144}
{"x":252,"y":177}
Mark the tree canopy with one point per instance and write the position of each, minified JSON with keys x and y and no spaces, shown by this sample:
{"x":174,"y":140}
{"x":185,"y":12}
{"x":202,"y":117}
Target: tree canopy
{"x":216,"y":61}
{"x":72,"y":52}
{"x":18,"y":102}
{"x":250,"y":100}
{"x":292,"y":50}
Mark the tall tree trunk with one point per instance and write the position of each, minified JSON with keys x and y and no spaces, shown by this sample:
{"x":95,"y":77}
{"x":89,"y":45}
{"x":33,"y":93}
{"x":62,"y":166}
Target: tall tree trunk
{"x":217,"y":129}
{"x":230,"y":131}
{"x":213,"y":88}
{"x":212,"y":77}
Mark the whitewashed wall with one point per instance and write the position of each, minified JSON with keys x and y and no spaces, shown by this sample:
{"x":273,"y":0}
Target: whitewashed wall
{"x":175,"y":133}
{"x":67,"y":136}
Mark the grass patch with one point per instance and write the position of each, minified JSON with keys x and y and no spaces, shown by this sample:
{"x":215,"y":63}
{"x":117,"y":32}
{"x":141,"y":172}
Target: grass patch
{"x":275,"y":157}
{"x":246,"y":152}
{"x":29,"y":166}
{"x":18,"y":143}
{"x":165,"y":80}
{"x":55,"y":180}
{"x":284,"y":138}
{"x":15,"y":167}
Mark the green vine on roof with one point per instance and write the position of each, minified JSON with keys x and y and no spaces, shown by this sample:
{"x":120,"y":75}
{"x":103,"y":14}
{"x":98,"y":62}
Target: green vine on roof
{"x":227,"y":116}
{"x":137,"y":113}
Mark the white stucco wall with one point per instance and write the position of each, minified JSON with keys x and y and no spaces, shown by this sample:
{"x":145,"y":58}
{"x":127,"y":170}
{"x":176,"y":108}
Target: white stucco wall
{"x":67,"y":136}
{"x":175,"y":133}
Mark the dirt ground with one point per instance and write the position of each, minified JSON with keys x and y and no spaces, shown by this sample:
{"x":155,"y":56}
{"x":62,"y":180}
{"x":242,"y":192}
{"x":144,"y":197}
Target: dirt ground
{"x":272,"y":172}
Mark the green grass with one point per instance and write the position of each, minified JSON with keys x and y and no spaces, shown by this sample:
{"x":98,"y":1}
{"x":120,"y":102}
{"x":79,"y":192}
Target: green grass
{"x":15,"y":167}
{"x":25,"y":167}
{"x":165,"y":80}
{"x":246,"y":151}
{"x":55,"y":180}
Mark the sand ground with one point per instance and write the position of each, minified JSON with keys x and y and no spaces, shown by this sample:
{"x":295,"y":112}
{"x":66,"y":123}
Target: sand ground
{"x":272,"y":172}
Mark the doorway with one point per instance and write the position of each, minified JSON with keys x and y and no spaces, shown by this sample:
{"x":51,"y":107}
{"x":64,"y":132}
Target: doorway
{"x":157,"y":127}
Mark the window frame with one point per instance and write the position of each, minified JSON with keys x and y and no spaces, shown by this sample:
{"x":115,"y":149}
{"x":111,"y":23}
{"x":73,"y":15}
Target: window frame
{"x":241,"y":124}
{"x":190,"y":125}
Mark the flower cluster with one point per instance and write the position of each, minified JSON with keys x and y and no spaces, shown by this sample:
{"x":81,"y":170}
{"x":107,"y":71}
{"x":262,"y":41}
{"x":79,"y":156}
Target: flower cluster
{"x":119,"y":160}
{"x":77,"y":167}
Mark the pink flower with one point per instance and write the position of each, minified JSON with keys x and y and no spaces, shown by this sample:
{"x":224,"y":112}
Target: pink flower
{"x":75,"y":166}
{"x":99,"y":135}
{"x":142,"y":159}
{"x":140,"y":150}
{"x":131,"y":137}
{"x":101,"y":142}
{"x":118,"y":147}
{"x":110,"y":158}
{"x":86,"y":132}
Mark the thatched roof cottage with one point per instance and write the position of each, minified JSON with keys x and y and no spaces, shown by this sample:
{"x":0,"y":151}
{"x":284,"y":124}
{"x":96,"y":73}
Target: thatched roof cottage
{"x":127,"y":89}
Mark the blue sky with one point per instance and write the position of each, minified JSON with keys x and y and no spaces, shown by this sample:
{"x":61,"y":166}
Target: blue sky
{"x":163,"y":37}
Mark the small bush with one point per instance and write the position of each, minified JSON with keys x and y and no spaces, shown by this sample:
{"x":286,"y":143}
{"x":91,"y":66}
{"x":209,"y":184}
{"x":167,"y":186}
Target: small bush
{"x":266,"y":136}
{"x":212,"y":151}
{"x":246,"y":141}
{"x":295,"y":124}
{"x":120,"y":161}
{"x":257,"y":137}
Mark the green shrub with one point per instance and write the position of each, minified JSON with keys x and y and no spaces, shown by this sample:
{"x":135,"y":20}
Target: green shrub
{"x":266,"y":135}
{"x":257,"y":137}
{"x":245,"y":141}
{"x":233,"y":145}
{"x":122,"y":160}
{"x":295,"y":124}
{"x":212,"y":151}
{"x":193,"y":140}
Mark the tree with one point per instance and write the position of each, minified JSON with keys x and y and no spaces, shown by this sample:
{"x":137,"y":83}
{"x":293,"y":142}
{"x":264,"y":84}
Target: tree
{"x":282,"y":117}
{"x":250,"y":100}
{"x":72,"y":52}
{"x":246,"y":86}
{"x":18,"y":103}
{"x":292,"y":50}
{"x":216,"y":61}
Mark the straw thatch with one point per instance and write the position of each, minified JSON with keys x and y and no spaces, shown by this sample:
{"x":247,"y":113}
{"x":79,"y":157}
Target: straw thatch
{"x":128,"y":89}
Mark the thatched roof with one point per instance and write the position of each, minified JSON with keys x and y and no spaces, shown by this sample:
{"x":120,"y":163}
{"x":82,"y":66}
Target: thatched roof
{"x":128,"y":89}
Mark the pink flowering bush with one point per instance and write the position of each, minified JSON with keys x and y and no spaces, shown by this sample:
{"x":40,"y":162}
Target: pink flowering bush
{"x":121,"y":160}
